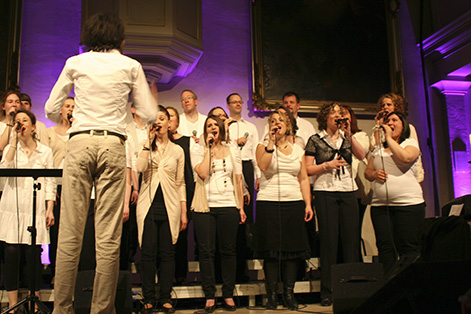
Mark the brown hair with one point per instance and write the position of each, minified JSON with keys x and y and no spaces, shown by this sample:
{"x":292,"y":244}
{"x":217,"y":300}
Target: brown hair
{"x":398,"y":101}
{"x":353,"y":120}
{"x":325,"y":111}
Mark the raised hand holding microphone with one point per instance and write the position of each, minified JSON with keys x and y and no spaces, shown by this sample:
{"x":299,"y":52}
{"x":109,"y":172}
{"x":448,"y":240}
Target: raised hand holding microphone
{"x":241,"y":141}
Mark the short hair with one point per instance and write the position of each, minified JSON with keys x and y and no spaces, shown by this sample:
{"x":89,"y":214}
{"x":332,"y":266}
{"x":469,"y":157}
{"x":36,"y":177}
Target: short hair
{"x":323,"y":113}
{"x":25,"y":97}
{"x":190,"y":91}
{"x":70,"y":97}
{"x":405,"y":134}
{"x":353,"y":122}
{"x":398,"y":101}
{"x":4,"y":97}
{"x":291,"y":93}
{"x":230,"y":95}
{"x":103,"y":32}
{"x":284,"y":117}
{"x":222,"y":128}
{"x":211,"y":112}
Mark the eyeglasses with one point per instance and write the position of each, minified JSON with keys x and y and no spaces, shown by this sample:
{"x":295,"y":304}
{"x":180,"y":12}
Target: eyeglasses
{"x":187,"y":97}
{"x":235,"y":102}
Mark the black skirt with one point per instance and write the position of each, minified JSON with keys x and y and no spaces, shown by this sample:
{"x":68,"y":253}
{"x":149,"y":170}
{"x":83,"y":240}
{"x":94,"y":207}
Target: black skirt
{"x":280,"y":230}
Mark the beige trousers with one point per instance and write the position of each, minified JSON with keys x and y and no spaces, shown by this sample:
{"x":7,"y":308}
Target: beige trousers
{"x":99,"y":160}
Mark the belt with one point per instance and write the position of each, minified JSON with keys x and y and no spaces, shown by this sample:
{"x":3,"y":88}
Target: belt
{"x":98,"y":133}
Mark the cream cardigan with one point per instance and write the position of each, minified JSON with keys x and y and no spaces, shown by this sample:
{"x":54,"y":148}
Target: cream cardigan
{"x":168,"y":172}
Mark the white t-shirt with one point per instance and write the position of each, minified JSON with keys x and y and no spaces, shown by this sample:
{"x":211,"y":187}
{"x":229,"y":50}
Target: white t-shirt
{"x":280,"y":181}
{"x":219,"y":187}
{"x":401,"y":187}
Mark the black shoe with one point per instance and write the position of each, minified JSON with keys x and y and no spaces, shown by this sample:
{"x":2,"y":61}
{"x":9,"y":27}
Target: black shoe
{"x":272,"y":301}
{"x":168,"y":310}
{"x":290,"y":301}
{"x":210,"y":309}
{"x":326,"y":302}
{"x":230,"y":308}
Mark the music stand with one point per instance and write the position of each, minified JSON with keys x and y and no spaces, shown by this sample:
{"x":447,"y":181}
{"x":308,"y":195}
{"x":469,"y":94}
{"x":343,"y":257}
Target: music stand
{"x":32,"y":299}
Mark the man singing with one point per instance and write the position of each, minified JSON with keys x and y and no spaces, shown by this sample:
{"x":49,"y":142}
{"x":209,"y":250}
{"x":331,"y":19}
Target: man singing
{"x":102,"y":79}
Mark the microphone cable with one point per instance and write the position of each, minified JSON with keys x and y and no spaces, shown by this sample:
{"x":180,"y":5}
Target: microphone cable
{"x":388,"y":209}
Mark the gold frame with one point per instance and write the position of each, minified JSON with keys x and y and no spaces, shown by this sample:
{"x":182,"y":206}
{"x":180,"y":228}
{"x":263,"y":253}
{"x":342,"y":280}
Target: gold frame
{"x":261,"y":103}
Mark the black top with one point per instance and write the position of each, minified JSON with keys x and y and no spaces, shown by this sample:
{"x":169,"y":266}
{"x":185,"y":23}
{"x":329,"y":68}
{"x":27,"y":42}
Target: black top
{"x":184,"y":142}
{"x":322,"y":151}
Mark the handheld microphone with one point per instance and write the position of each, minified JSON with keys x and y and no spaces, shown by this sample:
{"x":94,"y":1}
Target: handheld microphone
{"x":194,"y":133}
{"x":342,"y":120}
{"x":246,"y":135}
{"x":18,"y":125}
{"x":275,"y":129}
{"x":211,"y":141}
{"x":156,"y":127}
{"x":69,"y":117}
{"x":12,"y":113}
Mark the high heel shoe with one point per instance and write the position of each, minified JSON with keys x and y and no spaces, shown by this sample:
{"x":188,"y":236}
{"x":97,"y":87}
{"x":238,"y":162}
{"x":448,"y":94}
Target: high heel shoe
{"x":211,"y":308}
{"x":168,"y":310}
{"x":230,"y":308}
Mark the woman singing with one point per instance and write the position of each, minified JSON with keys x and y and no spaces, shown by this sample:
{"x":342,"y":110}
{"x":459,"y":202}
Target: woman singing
{"x":283,"y":205}
{"x":161,"y":210}
{"x":398,"y":207}
{"x":24,"y":151}
{"x":329,"y":157}
{"x":10,"y":103}
{"x":217,"y":209}
{"x":185,"y":142}
{"x":56,"y":138}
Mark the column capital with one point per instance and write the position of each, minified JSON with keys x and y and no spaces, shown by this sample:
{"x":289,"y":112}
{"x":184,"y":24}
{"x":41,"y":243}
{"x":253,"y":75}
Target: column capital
{"x":451,"y":87}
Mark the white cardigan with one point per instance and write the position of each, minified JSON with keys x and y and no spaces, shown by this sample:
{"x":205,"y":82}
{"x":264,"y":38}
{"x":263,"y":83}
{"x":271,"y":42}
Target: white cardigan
{"x":168,"y":171}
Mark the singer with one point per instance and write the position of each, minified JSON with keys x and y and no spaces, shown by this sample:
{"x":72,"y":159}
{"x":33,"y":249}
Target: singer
{"x":56,"y":138}
{"x":217,"y":209}
{"x":102,"y":79}
{"x":329,"y":157}
{"x":10,"y":103}
{"x":160,"y":211}
{"x":283,"y":206}
{"x":398,"y":207}
{"x":25,"y":151}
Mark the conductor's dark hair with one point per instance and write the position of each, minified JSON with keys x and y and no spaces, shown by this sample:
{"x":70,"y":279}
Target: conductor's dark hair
{"x":103,"y":32}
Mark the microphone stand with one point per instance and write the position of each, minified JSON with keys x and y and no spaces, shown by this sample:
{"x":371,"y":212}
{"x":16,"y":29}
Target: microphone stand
{"x":32,"y":299}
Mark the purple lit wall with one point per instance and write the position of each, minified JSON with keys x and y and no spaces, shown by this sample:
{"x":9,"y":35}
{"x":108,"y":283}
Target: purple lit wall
{"x":50,"y":34}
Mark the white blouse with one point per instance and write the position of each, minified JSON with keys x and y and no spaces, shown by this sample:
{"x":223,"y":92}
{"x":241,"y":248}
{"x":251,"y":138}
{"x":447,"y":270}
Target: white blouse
{"x":280,"y":181}
{"x":401,"y":187}
{"x":16,"y":213}
{"x":219,"y":187}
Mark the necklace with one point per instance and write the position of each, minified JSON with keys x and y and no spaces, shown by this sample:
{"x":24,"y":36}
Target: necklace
{"x":282,"y":147}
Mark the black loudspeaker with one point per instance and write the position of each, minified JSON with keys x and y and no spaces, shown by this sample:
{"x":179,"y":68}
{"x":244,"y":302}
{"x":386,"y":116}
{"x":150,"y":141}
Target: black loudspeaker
{"x":353,"y":283}
{"x":84,"y":291}
{"x":423,"y":287}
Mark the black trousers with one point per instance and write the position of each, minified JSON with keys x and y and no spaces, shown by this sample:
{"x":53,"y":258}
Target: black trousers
{"x":54,"y":231}
{"x":12,"y":262}
{"x":243,"y":250}
{"x":397,"y":232}
{"x":339,"y":224}
{"x":157,"y":240}
{"x":223,"y":223}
